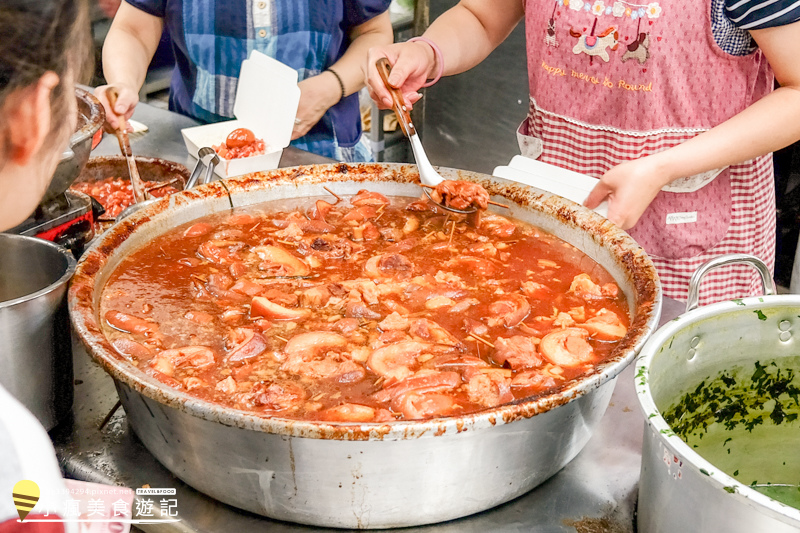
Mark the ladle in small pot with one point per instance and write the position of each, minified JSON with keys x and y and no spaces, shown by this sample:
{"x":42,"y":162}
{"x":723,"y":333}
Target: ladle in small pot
{"x":427,"y":174}
{"x":140,"y":195}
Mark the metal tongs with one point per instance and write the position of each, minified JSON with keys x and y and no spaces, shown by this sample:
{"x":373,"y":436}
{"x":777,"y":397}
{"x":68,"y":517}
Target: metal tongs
{"x":203,"y":159}
{"x":206,"y":157}
{"x":427,"y":174}
{"x":139,"y":192}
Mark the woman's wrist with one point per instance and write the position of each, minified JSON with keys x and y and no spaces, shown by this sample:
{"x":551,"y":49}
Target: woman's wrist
{"x":435,"y":59}
{"x":340,"y":84}
{"x":322,"y":88}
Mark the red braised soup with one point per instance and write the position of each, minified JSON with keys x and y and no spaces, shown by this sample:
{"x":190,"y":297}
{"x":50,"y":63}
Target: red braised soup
{"x":369,"y":309}
{"x":115,"y":194}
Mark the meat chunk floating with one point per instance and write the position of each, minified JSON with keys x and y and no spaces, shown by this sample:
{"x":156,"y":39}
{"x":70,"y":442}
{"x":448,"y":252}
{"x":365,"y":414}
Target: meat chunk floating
{"x":461,"y":195}
{"x":394,"y":321}
{"x":310,"y":344}
{"x":274,"y":396}
{"x":365,"y":310}
{"x":349,"y":412}
{"x":284,"y":263}
{"x":388,"y":265}
{"x":422,"y":382}
{"x":416,"y":406}
{"x":132,"y":349}
{"x":490,"y":388}
{"x":397,"y":360}
{"x":131,"y":324}
{"x":509,"y":311}
{"x":372,"y":198}
{"x":261,"y":306}
{"x":567,"y":347}
{"x":248,"y":344}
{"x":518,"y":352}
{"x":605,"y":325}
{"x":189,"y":357}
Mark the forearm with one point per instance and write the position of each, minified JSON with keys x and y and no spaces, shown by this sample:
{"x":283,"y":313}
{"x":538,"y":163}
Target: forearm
{"x":319,"y":93}
{"x":129,"y":47}
{"x":471,"y":30}
{"x":768,"y":125}
{"x":376,"y":32}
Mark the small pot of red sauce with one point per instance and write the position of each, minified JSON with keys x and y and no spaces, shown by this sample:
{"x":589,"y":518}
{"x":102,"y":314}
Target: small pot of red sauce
{"x":327,"y":472}
{"x":106,"y":179}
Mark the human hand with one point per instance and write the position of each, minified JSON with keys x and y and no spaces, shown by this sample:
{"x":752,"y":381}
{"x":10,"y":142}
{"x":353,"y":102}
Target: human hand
{"x":122,"y":110}
{"x":317,"y":94}
{"x":412,"y":64}
{"x":629,"y":188}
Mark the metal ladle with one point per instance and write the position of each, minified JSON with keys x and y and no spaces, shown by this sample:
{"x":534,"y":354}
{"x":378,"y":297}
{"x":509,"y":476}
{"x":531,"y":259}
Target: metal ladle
{"x":206,"y":157}
{"x":427,"y":174}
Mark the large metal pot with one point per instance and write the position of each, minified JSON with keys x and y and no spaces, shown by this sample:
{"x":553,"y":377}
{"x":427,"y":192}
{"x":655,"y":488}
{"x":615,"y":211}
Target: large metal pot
{"x":679,"y":489}
{"x":365,"y":475}
{"x":35,"y":343}
{"x":90,"y":118}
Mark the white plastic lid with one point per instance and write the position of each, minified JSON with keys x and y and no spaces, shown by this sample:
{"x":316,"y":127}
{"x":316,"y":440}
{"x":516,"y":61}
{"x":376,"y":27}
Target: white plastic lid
{"x":267,"y":98}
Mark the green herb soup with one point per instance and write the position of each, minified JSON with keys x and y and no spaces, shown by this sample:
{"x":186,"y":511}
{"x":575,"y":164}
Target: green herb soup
{"x":745,"y":422}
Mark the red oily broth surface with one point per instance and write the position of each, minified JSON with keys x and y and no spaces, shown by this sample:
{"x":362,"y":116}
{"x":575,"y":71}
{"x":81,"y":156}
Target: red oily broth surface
{"x":380,"y":341}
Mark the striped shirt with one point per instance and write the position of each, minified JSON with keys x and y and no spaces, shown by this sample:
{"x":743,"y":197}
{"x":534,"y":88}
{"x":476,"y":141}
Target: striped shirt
{"x":760,"y":14}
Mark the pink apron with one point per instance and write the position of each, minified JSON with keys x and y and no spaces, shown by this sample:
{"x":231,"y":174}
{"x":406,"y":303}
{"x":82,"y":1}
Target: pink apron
{"x":612,"y":80}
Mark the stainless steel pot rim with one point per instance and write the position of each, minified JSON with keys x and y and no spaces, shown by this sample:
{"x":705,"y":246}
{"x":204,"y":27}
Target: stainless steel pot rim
{"x":70,"y":270}
{"x":88,"y":129}
{"x":677,"y":446}
{"x":131,"y":376}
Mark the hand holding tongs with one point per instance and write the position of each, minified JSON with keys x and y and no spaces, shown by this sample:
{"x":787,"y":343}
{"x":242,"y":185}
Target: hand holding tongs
{"x":139,"y":192}
{"x":427,"y":174}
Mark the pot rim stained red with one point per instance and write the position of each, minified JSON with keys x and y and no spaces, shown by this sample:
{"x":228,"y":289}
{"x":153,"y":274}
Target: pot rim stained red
{"x":93,"y":270}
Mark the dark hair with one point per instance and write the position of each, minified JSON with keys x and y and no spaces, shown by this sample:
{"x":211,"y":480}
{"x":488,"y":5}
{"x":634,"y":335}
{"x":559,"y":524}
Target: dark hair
{"x":40,"y":36}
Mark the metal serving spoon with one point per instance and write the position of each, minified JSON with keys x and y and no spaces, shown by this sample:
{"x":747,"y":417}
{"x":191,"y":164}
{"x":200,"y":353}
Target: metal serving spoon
{"x":427,"y":174}
{"x":139,"y":192}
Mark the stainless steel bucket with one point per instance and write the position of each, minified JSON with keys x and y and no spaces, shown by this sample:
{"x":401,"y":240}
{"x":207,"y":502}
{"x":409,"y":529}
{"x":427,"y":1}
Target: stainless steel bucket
{"x":679,"y":489}
{"x":35,"y":343}
{"x":364,"y":475}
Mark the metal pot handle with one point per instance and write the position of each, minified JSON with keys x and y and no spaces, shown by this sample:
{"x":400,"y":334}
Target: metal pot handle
{"x":767,"y":283}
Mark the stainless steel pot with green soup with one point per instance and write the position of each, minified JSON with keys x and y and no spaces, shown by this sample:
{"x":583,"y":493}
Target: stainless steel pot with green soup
{"x":720,"y":389}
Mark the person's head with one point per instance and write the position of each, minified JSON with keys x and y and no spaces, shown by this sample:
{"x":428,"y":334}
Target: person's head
{"x":43,"y":48}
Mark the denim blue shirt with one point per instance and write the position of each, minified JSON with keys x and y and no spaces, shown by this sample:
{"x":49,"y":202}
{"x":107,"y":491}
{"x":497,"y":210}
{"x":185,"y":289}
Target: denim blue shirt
{"x":212,"y":38}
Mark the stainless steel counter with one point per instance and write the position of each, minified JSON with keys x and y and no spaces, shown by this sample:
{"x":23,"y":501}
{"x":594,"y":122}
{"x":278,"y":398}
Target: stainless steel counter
{"x":596,"y":492}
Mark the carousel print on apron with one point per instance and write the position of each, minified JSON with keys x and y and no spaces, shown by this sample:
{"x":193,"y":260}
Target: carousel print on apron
{"x":614,"y":81}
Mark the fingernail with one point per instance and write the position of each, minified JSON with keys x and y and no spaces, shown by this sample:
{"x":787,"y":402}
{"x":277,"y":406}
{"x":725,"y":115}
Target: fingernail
{"x":393,"y":80}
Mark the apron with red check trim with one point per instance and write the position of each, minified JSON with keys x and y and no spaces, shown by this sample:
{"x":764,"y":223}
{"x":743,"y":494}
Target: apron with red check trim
{"x":612,"y":80}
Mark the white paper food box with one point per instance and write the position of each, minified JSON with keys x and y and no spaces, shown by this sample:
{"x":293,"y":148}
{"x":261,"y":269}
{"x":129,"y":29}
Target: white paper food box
{"x":266,"y":103}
